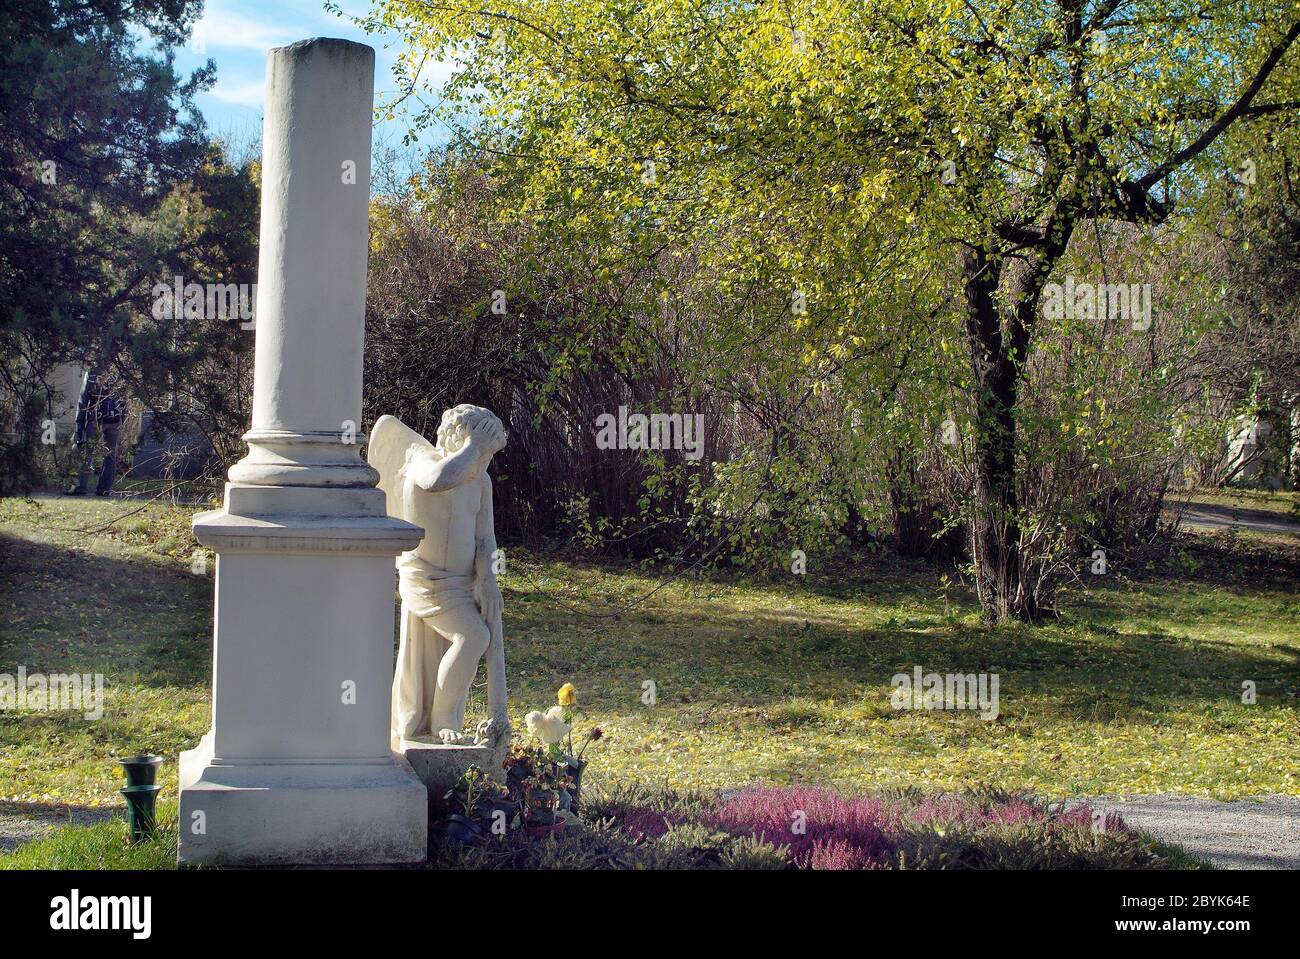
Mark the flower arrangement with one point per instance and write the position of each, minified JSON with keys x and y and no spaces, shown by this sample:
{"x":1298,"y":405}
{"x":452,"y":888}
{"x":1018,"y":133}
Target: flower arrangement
{"x":542,"y":779}
{"x":555,"y":726}
{"x":555,"y":761}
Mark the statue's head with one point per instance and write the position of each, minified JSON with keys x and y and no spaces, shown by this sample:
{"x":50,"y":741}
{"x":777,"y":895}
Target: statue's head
{"x":456,"y":423}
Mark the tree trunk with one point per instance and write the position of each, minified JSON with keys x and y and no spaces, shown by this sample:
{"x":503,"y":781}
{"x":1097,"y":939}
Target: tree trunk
{"x":1004,"y":593}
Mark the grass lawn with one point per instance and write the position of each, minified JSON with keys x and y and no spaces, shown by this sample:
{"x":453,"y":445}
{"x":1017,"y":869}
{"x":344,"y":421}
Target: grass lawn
{"x":1284,"y":503}
{"x":1136,"y":688}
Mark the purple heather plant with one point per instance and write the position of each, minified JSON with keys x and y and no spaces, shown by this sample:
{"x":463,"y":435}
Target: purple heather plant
{"x":805,"y":827}
{"x":836,"y":832}
{"x":822,"y":829}
{"x":645,"y":824}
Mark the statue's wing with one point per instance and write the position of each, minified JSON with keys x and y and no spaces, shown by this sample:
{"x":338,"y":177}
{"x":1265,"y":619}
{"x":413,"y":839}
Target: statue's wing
{"x":390,"y":438}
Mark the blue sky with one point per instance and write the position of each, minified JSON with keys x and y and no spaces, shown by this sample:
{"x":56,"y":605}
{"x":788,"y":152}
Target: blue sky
{"x":236,"y":34}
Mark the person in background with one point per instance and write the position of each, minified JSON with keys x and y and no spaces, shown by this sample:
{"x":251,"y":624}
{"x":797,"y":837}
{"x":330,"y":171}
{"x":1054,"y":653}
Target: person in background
{"x":98,"y":411}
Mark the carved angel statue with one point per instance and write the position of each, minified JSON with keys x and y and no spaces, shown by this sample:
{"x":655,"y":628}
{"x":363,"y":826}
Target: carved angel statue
{"x":451,"y":604}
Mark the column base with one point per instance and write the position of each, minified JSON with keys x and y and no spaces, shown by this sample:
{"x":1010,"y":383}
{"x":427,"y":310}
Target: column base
{"x":300,"y":813}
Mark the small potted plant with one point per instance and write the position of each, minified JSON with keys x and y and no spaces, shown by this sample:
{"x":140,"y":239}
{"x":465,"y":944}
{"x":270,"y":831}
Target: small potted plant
{"x":538,"y":786}
{"x":520,"y":763}
{"x":542,"y":806}
{"x":474,"y":799}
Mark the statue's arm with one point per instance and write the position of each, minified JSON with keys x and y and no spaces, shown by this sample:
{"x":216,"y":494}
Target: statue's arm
{"x":435,"y":475}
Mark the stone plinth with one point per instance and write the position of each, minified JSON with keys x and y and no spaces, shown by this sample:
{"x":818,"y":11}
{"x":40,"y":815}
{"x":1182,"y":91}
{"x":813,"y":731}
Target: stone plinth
{"x":300,"y":813}
{"x":438,"y":766}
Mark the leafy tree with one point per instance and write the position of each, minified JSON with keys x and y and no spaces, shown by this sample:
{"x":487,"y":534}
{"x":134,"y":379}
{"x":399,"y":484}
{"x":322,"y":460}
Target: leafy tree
{"x":195,"y":373}
{"x":863,"y":176}
{"x":1251,"y":244}
{"x":97,"y":130}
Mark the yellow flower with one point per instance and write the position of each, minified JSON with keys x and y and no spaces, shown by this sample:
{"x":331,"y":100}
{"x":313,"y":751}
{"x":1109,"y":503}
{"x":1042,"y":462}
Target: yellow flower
{"x":567,"y":695}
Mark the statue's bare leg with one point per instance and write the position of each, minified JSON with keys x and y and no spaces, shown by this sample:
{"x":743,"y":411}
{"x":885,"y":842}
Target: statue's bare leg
{"x":467,"y":637}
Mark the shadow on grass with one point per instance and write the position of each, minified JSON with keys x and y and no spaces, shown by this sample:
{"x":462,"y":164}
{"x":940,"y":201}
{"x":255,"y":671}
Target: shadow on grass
{"x":861,"y":577}
{"x":67,"y":610}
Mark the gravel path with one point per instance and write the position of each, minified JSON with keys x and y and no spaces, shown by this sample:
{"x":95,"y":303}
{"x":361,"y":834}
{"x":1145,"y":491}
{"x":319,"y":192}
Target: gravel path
{"x":20,"y":823}
{"x":1261,"y":833}
{"x":1212,"y":517}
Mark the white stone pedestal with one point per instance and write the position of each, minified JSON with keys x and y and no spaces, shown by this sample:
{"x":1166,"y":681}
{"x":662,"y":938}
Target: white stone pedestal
{"x":297,"y":767}
{"x":439,"y":766}
{"x":301,"y":813}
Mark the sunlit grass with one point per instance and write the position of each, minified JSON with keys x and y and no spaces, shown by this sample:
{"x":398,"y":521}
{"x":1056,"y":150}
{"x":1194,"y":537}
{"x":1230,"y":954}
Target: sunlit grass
{"x":1137,"y":688}
{"x":1284,"y":502}
{"x":102,"y":845}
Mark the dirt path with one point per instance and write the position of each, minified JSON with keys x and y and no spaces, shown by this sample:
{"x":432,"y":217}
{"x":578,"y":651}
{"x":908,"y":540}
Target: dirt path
{"x":1259,"y":833}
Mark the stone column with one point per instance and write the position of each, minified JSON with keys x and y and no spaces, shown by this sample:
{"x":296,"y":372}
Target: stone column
{"x":297,"y":766}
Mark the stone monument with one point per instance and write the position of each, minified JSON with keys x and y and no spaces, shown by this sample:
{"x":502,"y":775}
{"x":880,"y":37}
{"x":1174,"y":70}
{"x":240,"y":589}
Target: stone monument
{"x":451,"y":604}
{"x":297,"y":767}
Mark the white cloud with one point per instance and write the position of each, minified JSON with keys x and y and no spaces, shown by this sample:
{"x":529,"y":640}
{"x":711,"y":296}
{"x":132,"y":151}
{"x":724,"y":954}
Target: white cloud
{"x":247,"y":94}
{"x":224,"y":27}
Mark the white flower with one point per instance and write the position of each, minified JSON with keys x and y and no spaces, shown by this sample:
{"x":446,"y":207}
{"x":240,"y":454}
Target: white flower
{"x":549,"y":726}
